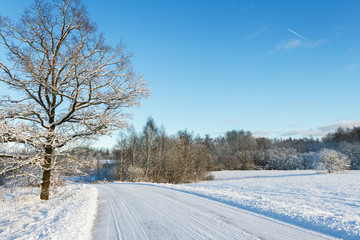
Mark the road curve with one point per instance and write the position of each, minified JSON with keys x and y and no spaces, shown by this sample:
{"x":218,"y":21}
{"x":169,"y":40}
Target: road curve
{"x":132,"y":211}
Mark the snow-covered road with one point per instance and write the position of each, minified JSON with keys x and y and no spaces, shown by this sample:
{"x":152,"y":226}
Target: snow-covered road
{"x":145,"y":211}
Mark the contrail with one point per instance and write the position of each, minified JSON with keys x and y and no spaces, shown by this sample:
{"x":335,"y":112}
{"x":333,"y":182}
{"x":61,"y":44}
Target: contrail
{"x":298,"y":35}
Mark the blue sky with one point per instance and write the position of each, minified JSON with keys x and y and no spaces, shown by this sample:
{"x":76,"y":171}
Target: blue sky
{"x":276,"y":68}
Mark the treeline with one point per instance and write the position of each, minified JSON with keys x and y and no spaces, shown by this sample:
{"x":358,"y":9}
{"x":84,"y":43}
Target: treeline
{"x":152,"y":155}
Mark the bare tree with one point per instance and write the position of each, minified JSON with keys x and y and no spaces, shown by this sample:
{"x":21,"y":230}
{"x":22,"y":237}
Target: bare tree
{"x":121,"y":150}
{"x":150,"y":132}
{"x":70,"y":84}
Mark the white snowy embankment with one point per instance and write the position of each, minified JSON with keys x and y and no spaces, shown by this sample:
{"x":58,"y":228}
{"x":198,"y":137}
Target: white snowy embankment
{"x":328,"y":203}
{"x":68,"y":214}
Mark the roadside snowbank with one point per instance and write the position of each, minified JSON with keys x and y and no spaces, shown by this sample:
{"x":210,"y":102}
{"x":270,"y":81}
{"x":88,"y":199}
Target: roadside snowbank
{"x":327,"y":203}
{"x":69,"y":214}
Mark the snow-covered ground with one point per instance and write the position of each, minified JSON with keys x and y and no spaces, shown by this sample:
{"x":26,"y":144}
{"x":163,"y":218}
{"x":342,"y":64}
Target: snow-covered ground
{"x":328,"y":203}
{"x":69,"y":214}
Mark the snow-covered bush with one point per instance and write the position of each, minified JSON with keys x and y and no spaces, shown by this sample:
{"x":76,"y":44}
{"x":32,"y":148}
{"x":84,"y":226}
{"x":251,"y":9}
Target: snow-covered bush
{"x":135,"y":174}
{"x":331,"y":160}
{"x":305,"y":160}
{"x":279,"y":157}
{"x":353,"y":151}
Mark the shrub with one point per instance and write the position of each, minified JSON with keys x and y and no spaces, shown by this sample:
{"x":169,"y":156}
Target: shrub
{"x":209,"y":177}
{"x":331,"y":161}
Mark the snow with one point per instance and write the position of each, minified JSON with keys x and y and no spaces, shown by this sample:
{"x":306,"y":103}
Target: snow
{"x":235,"y":205}
{"x":149,"y":211}
{"x":68,"y":214}
{"x":328,"y":203}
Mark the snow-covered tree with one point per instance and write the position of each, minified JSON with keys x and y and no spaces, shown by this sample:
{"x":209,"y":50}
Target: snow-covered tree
{"x":352,"y":150}
{"x":331,"y":160}
{"x":278,"y":157}
{"x":70,"y":85}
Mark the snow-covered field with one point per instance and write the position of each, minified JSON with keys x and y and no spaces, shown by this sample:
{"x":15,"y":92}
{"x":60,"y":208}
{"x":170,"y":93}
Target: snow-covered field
{"x":69,"y":214}
{"x":328,"y":203}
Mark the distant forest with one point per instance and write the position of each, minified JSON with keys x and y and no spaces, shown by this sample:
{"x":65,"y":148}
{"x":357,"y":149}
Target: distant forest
{"x":152,"y":155}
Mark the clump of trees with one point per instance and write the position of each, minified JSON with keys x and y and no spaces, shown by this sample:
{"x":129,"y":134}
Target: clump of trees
{"x":151,"y":155}
{"x":346,"y":141}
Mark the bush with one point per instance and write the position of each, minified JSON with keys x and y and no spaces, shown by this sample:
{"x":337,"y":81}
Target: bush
{"x":209,"y":177}
{"x":331,"y":161}
{"x":135,"y":174}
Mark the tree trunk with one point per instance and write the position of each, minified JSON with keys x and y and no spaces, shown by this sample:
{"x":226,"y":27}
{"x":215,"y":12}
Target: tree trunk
{"x":148,"y":159}
{"x":46,"y":168}
{"x":133,"y":150}
{"x":122,"y":162}
{"x":45,"y":185}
